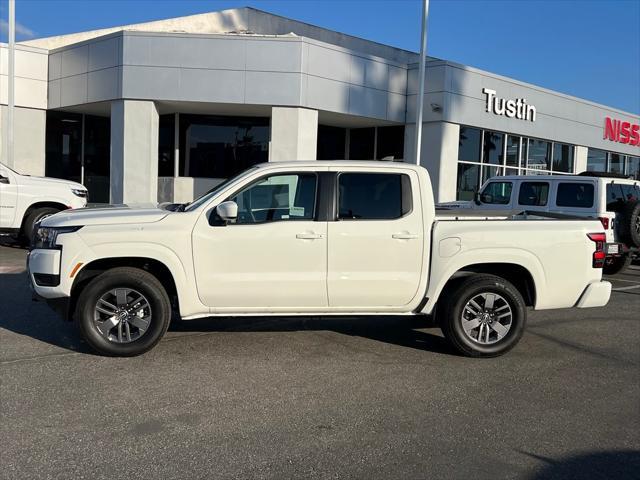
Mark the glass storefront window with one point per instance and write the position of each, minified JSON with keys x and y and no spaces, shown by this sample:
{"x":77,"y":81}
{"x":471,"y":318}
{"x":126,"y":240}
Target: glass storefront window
{"x":468,"y":179}
{"x":97,"y":162}
{"x":633,"y":167}
{"x":492,"y":148}
{"x":596,"y":160}
{"x":331,"y":142}
{"x":538,"y":155}
{"x":513,"y":151}
{"x":562,"y":158}
{"x":469,"y":144}
{"x":220,"y":147}
{"x":166,"y":147}
{"x":390,"y":142}
{"x":616,"y":163}
{"x":63,"y":140}
{"x":361,"y":143}
{"x":490,"y":172}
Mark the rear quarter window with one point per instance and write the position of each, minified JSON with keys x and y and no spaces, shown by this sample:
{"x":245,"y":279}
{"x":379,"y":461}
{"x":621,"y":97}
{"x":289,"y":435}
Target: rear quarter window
{"x":575,"y":195}
{"x":534,"y":194}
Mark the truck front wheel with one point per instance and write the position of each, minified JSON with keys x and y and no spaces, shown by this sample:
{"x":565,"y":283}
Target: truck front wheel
{"x":483,"y":316}
{"x":123,"y":312}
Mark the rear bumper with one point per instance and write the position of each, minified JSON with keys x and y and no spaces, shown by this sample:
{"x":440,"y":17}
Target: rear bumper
{"x":595,"y":295}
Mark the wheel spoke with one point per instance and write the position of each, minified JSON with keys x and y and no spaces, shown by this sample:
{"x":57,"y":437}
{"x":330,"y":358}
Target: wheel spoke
{"x":127,"y":331}
{"x":120,"y":332}
{"x":121,"y":297}
{"x":110,"y":313}
{"x":507,"y":314}
{"x":475,"y":305}
{"x":109,"y":305}
{"x":469,"y":325}
{"x":141,"y":323}
{"x":489,"y":300}
{"x":500,"y":329}
{"x":106,"y":326}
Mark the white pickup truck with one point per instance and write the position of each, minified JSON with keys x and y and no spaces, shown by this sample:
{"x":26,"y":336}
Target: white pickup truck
{"x":25,"y":200}
{"x":313,"y":238}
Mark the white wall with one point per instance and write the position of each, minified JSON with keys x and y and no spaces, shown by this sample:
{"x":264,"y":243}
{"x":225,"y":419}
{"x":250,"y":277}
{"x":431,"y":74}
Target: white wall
{"x":30,"y":112}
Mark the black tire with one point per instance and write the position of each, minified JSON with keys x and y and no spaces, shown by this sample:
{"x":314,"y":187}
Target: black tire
{"x":629,"y":224}
{"x":36,"y":215}
{"x":129,"y":278}
{"x":454,"y":301}
{"x":613,"y":265}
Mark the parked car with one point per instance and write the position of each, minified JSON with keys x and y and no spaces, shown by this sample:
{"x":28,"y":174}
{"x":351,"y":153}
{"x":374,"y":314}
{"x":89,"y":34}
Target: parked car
{"x":26,"y":200}
{"x":613,"y":199}
{"x":313,"y":238}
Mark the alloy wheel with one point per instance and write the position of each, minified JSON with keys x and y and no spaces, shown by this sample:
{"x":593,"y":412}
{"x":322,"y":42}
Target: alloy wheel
{"x":487,"y":318}
{"x":122,"y":315}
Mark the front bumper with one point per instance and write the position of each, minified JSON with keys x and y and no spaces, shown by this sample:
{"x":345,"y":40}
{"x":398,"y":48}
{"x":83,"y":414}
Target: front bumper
{"x":596,"y":294}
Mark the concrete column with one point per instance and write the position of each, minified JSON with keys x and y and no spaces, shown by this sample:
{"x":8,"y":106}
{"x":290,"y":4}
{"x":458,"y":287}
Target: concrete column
{"x":134,"y":151}
{"x":294,"y":134}
{"x":580,"y":160}
{"x":439,"y":156}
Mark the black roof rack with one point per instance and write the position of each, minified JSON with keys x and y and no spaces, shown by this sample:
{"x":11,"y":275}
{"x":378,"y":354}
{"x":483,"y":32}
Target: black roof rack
{"x":606,"y":175}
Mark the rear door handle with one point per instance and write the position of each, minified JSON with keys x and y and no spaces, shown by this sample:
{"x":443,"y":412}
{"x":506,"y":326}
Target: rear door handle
{"x":404,"y":236}
{"x":308,"y":236}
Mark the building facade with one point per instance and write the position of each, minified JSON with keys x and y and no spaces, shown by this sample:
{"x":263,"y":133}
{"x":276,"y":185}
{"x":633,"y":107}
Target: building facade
{"x":163,"y":111}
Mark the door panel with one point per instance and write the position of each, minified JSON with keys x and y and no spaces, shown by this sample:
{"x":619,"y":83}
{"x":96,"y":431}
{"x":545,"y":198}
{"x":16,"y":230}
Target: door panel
{"x":375,"y":262}
{"x":274,"y":257}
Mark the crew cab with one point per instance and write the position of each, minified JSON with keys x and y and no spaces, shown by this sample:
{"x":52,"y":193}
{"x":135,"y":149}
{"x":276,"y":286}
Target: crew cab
{"x":613,"y":199}
{"x":313,"y":238}
{"x":25,"y":200}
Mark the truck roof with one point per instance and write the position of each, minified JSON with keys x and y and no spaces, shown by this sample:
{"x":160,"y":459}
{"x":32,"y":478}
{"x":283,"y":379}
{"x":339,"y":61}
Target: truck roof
{"x":341,"y":163}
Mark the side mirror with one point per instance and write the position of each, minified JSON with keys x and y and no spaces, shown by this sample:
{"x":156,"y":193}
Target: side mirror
{"x":4,"y":179}
{"x":476,"y":198}
{"x":227,"y":211}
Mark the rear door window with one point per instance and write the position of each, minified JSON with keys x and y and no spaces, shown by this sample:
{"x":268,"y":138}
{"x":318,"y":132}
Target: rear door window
{"x":615,"y":197}
{"x":373,"y":196}
{"x":575,"y":195}
{"x":534,"y":194}
{"x":629,"y":193}
{"x":497,"y":193}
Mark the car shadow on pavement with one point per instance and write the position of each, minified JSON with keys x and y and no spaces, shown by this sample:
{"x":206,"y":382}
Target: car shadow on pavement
{"x":21,"y":315}
{"x":604,"y":465}
{"x":404,"y":331}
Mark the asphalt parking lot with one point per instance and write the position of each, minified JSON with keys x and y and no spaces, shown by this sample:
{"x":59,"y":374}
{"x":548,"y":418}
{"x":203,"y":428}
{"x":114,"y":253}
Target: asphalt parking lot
{"x":380,"y":397}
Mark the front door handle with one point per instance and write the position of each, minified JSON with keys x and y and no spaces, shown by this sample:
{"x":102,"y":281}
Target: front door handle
{"x":309,"y":236}
{"x":404,"y":236}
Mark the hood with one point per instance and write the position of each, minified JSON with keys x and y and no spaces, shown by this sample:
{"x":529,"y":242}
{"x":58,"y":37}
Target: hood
{"x":119,"y":215}
{"x":29,"y":180}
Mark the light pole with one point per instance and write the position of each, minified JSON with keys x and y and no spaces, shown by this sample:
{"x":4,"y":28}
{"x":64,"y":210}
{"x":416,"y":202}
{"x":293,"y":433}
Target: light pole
{"x":420,"y":95}
{"x":11,"y":81}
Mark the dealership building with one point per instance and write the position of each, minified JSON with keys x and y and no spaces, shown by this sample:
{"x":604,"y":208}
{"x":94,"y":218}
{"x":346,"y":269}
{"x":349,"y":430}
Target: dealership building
{"x":164,"y":110}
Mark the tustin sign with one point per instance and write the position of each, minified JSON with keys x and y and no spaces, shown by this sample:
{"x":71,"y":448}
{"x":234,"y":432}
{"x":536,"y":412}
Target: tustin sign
{"x":621,"y":132}
{"x":517,"y":108}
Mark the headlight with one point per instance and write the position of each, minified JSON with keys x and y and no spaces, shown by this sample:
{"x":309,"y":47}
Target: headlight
{"x":79,"y":192}
{"x":45,"y":237}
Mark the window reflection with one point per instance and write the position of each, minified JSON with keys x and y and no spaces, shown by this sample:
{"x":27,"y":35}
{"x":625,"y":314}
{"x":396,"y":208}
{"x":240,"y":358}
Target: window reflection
{"x":220,"y":147}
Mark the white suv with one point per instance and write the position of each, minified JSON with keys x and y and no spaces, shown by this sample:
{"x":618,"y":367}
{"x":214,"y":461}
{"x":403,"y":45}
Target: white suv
{"x":25,"y":200}
{"x":614,"y":199}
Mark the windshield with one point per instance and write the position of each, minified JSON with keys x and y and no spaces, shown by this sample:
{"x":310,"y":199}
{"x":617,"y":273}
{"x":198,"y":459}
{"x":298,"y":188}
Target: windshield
{"x":215,"y":190}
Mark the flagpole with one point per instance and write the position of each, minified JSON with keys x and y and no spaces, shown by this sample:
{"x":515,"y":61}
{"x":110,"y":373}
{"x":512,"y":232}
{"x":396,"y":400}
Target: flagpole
{"x":420,"y":95}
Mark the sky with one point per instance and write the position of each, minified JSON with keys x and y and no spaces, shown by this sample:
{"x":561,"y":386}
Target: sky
{"x":586,"y":48}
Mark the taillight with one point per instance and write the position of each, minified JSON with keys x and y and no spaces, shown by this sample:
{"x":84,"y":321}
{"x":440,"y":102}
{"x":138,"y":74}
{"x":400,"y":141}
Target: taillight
{"x":605,"y":222}
{"x":599,"y":255}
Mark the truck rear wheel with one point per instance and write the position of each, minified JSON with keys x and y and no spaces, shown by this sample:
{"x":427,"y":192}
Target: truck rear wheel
{"x":123,"y":312}
{"x":613,"y":265}
{"x":483,"y":316}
